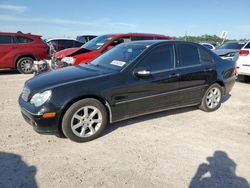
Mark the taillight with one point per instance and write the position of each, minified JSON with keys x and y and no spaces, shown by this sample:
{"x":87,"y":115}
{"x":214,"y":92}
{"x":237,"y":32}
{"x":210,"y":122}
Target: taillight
{"x":244,"y":52}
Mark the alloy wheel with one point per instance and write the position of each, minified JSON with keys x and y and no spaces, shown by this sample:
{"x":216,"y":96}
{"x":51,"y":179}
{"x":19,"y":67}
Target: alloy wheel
{"x":213,"y":97}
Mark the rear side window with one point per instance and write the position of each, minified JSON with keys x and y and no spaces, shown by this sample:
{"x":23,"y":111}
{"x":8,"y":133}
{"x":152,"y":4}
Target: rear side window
{"x":5,"y":39}
{"x":22,"y":40}
{"x":205,"y":57}
{"x":188,"y":55}
{"x":135,"y":38}
{"x":248,"y":45}
{"x":160,"y":58}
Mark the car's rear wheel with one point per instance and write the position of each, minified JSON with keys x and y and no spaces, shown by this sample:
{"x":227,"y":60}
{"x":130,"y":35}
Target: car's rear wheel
{"x":211,"y":100}
{"x":84,"y":120}
{"x":25,"y":65}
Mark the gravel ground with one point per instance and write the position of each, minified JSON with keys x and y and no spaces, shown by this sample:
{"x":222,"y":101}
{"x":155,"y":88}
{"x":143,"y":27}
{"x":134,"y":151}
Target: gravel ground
{"x":178,"y":148}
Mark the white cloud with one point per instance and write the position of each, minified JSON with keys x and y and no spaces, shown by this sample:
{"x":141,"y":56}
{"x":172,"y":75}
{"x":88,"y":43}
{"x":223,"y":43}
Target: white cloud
{"x":14,"y":8}
{"x":59,"y":21}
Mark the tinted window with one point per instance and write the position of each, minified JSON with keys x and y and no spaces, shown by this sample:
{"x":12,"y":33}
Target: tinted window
{"x":188,"y":55}
{"x":5,"y":39}
{"x":160,"y":58}
{"x":135,"y":38}
{"x":232,"y":45}
{"x":248,"y":45}
{"x":77,"y":44}
{"x":205,"y":57}
{"x":22,"y":40}
{"x":63,"y":44}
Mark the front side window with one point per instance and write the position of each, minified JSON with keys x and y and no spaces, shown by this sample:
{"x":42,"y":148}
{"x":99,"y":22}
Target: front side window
{"x":65,"y":44}
{"x":97,"y":42}
{"x":188,"y":55}
{"x":160,"y":58}
{"x":119,"y":57}
{"x":4,"y":39}
{"x":22,"y":40}
{"x":120,"y":40}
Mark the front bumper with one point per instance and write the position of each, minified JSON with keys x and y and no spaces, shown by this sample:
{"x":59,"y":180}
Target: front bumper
{"x":33,"y":116}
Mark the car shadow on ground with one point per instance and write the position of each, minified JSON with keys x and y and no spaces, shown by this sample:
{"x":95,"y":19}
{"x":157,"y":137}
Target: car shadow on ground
{"x":8,"y":71}
{"x":218,"y":172}
{"x":114,"y":126}
{"x":14,"y":172}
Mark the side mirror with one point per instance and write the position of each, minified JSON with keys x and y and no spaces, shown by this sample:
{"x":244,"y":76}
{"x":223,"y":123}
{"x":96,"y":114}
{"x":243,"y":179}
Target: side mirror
{"x":142,"y":73}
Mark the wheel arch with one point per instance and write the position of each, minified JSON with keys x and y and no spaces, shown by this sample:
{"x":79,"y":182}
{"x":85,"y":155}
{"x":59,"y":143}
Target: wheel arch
{"x":23,"y":55}
{"x":98,"y":98}
{"x":221,"y":83}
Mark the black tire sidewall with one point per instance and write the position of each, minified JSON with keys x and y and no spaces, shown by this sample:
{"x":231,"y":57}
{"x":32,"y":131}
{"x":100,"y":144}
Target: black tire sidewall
{"x":18,"y":65}
{"x":204,"y":106}
{"x":66,"y":121}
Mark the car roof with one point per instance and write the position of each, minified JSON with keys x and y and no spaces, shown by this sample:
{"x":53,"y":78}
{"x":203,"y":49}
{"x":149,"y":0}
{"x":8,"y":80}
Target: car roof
{"x":139,"y":34}
{"x":19,"y":34}
{"x":48,"y":40}
{"x":155,"y":42}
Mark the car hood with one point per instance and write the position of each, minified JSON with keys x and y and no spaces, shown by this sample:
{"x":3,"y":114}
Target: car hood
{"x":70,"y":52}
{"x":66,"y":75}
{"x":224,"y":51}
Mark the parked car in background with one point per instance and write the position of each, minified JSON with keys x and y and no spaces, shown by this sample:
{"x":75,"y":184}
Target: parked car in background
{"x":92,"y":49}
{"x":243,"y":62}
{"x":101,"y":44}
{"x":63,"y":43}
{"x":130,"y":80}
{"x":85,"y":38}
{"x":207,"y":45}
{"x":229,"y":50}
{"x":18,"y":51}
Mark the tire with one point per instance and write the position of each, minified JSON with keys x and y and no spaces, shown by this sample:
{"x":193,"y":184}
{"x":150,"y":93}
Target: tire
{"x":242,"y":78}
{"x":25,"y":65}
{"x":211,"y":100}
{"x":84,"y":120}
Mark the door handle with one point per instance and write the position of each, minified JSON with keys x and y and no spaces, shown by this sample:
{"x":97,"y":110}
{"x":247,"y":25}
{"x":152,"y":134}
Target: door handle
{"x":174,"y":75}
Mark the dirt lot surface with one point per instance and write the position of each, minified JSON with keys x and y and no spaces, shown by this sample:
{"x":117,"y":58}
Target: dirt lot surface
{"x":175,"y":149}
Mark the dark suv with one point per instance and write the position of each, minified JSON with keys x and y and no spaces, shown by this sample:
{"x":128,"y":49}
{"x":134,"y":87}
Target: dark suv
{"x":18,"y":51}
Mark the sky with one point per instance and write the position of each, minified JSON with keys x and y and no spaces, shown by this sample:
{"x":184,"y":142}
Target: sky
{"x":55,"y":18}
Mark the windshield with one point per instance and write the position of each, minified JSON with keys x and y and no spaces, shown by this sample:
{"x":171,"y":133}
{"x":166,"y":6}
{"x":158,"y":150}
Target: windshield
{"x":97,"y":42}
{"x":232,"y":45}
{"x":119,"y":57}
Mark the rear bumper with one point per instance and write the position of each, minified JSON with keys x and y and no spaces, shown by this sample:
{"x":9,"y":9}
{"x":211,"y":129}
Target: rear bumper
{"x":243,"y":70}
{"x":35,"y":119}
{"x":229,"y":84}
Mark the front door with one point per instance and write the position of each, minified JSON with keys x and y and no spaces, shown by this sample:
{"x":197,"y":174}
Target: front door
{"x":152,"y":84}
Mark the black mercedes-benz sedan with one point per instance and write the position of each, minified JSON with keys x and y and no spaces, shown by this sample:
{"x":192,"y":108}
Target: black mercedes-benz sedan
{"x":130,"y":80}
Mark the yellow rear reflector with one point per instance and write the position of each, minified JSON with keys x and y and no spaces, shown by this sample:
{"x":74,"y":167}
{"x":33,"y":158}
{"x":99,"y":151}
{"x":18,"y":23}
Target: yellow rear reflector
{"x":49,"y":115}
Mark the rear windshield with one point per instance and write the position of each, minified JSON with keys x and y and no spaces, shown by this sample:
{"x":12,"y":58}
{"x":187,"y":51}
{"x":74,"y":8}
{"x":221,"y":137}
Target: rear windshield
{"x":232,"y":45}
{"x":119,"y":57}
{"x":97,"y":42}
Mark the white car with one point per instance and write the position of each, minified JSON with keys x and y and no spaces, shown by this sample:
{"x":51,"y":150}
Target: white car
{"x":243,"y":62}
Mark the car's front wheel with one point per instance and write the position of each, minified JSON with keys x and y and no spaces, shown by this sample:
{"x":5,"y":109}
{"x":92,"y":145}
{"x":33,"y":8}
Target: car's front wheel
{"x":25,"y":65}
{"x":84,"y":120}
{"x":211,"y":100}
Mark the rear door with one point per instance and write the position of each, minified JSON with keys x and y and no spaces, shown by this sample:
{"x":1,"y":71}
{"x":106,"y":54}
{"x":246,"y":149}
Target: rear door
{"x":197,"y":70}
{"x":7,"y":48}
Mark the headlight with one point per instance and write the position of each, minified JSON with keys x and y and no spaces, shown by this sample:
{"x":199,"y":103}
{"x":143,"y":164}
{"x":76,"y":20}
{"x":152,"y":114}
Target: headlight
{"x":231,"y":54}
{"x":40,"y":98}
{"x":69,"y":60}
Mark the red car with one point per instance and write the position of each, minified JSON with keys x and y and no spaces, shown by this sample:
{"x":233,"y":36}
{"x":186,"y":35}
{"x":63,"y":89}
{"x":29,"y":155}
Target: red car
{"x":18,"y":51}
{"x":99,"y":45}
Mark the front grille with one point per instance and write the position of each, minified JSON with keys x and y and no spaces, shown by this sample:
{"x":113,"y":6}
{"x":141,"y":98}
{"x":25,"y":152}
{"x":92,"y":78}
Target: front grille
{"x":25,"y":94}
